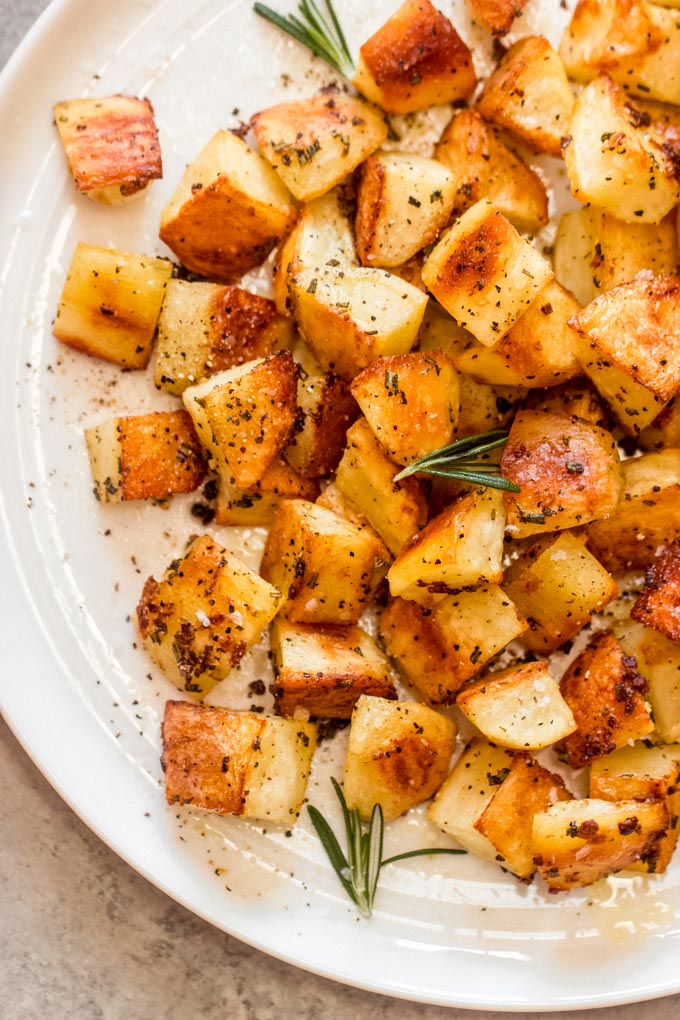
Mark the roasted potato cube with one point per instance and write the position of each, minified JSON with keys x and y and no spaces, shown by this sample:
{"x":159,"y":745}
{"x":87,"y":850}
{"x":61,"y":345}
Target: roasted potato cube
{"x":206,"y":328}
{"x":439,"y":648}
{"x":580,"y":841}
{"x":110,"y":304}
{"x":538,"y":349}
{"x":643,"y":773}
{"x":198,"y":622}
{"x":520,"y":707}
{"x":228,"y":211}
{"x":145,"y":456}
{"x":529,"y":94}
{"x":658,"y":604}
{"x":326,"y":409}
{"x":324,"y":670}
{"x":617,"y":159}
{"x":557,"y":585}
{"x":484,"y":273}
{"x":111,"y":144}
{"x":398,"y":755}
{"x":403,"y":203}
{"x":484,"y":167}
{"x":327,"y":569}
{"x":489,"y":800}
{"x":255,"y":507}
{"x":350,"y":317}
{"x":658,"y":660}
{"x":496,"y":15}
{"x":462,"y":547}
{"x":595,"y":252}
{"x":236,"y":763}
{"x":246,"y":415}
{"x":637,"y":44}
{"x":646,"y":519}
{"x":365,"y":479}
{"x":410,"y":401}
{"x":314,"y":144}
{"x":604,"y":690}
{"x":628,"y":347}
{"x":415,"y":60}
{"x":567,"y":469}
{"x":484,"y":407}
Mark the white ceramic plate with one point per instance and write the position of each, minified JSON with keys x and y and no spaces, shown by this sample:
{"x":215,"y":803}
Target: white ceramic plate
{"x":82,"y":698}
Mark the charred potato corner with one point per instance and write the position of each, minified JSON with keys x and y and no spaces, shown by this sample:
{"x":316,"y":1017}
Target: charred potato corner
{"x":457,"y":444}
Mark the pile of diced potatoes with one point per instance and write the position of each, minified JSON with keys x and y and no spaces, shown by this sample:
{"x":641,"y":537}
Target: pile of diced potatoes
{"x":411,"y":307}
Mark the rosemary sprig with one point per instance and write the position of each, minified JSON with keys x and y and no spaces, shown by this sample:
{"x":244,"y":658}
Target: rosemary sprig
{"x":322,"y":34}
{"x":359,"y":870}
{"x":460,"y":461}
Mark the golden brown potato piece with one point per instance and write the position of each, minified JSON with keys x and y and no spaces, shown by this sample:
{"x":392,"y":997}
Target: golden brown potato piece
{"x":605,"y":692}
{"x":557,"y":585}
{"x":256,"y":506}
{"x":326,"y":409}
{"x":520,"y":707}
{"x":489,"y":800}
{"x":236,"y":763}
{"x":198,"y":622}
{"x":646,"y":518}
{"x":327,"y":568}
{"x":529,"y":94}
{"x":643,"y":773}
{"x":415,"y":60}
{"x":618,"y":158}
{"x":496,"y":15}
{"x":365,"y":479}
{"x":537,"y":350}
{"x":658,"y":660}
{"x":111,"y":144}
{"x":324,"y":670}
{"x":580,"y":841}
{"x":314,"y":144}
{"x":398,"y":755}
{"x":595,"y":251}
{"x":484,"y":273}
{"x":439,"y":648}
{"x":628,"y":347}
{"x":577,"y":398}
{"x":484,"y":167}
{"x":145,"y":456}
{"x":658,"y":604}
{"x":206,"y":328}
{"x":403,"y":203}
{"x":228,"y":211}
{"x":110,"y":303}
{"x":246,"y":415}
{"x":461,"y":547}
{"x":411,"y":403}
{"x":567,"y":469}
{"x":664,"y":431}
{"x":634,"y":42}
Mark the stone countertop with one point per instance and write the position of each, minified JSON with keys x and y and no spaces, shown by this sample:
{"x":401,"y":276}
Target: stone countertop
{"x":83,"y":936}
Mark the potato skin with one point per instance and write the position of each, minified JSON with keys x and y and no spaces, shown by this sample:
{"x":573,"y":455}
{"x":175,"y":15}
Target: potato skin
{"x":568,"y":471}
{"x":658,"y":604}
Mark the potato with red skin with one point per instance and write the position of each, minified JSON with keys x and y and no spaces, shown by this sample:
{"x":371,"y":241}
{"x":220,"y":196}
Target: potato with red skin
{"x":568,"y":472}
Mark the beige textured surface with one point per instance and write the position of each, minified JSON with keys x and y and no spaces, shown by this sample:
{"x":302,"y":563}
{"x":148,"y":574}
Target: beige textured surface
{"x":83,"y":937}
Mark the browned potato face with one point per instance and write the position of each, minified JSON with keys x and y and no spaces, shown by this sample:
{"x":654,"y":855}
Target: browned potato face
{"x":111,"y":144}
{"x":658,"y":604}
{"x":529,"y":94}
{"x":568,"y":472}
{"x":484,"y":167}
{"x":256,"y":506}
{"x":416,"y":60}
{"x":145,"y":456}
{"x":496,"y":15}
{"x":326,"y":410}
{"x":605,"y":692}
{"x":628,"y":347}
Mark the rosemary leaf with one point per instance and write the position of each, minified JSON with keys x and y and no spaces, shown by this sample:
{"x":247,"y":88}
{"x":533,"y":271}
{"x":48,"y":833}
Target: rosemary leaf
{"x":320,"y":33}
{"x":461,"y":461}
